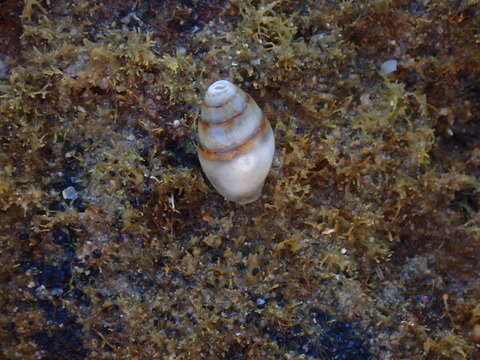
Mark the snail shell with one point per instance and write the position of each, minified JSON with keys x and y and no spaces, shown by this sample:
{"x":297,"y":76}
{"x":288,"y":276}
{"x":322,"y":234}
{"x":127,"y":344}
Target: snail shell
{"x":236,"y":142}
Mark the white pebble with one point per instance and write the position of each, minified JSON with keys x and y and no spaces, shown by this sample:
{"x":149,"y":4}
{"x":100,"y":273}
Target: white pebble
{"x":261,"y":302}
{"x":389,"y":66}
{"x":56,"y":292}
{"x":70,"y":193}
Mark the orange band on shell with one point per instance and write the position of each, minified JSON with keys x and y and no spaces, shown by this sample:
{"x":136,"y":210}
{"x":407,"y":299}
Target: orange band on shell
{"x":237,"y":150}
{"x":227,"y":122}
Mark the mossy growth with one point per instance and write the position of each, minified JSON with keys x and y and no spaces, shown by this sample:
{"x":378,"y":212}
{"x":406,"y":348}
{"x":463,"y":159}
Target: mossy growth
{"x":364,"y":244}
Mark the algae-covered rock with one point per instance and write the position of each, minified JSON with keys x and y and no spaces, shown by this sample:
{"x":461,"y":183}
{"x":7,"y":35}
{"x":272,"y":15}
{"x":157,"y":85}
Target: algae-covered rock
{"x":364,"y":244}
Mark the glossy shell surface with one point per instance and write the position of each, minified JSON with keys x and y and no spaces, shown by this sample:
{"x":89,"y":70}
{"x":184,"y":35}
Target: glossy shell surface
{"x":236,"y":142}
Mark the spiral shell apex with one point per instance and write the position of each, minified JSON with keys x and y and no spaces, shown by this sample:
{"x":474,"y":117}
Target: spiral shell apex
{"x":236,"y":142}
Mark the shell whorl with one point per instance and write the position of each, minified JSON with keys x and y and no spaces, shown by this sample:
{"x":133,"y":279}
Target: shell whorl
{"x":219,"y":93}
{"x":236,"y":143}
{"x":222,"y":101}
{"x":230,"y":118}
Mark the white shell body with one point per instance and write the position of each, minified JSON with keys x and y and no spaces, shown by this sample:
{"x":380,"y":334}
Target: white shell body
{"x":236,"y":142}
